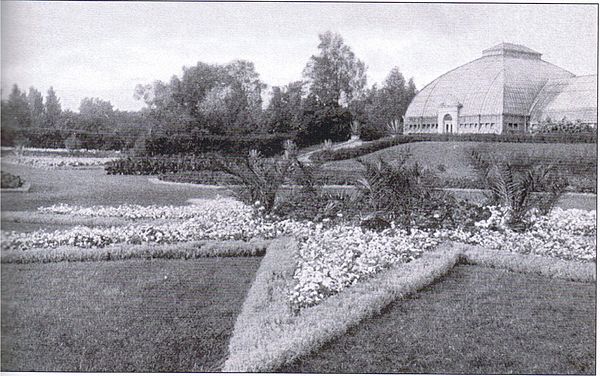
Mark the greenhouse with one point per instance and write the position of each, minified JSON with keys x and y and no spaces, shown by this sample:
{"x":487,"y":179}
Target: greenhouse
{"x":506,"y":90}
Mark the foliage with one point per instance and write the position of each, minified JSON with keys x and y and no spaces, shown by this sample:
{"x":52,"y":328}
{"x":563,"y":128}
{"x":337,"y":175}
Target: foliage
{"x":393,"y":188}
{"x":267,"y":144}
{"x":381,"y":110}
{"x":217,"y":99}
{"x":11,"y":181}
{"x":161,"y":164}
{"x":517,"y":191}
{"x":335,"y":75}
{"x":259,"y":178}
{"x":564,"y":126}
{"x":72,"y":143}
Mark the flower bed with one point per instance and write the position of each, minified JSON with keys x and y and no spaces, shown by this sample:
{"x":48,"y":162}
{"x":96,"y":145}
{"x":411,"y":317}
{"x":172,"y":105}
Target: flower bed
{"x":332,"y":255}
{"x":212,"y":209}
{"x":56,"y":161}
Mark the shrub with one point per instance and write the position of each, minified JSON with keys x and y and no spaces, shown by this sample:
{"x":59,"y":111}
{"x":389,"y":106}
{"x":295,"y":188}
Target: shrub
{"x":516,"y":191}
{"x":259,"y":178}
{"x":72,"y":143}
{"x":156,"y":165}
{"x":239,"y":145}
{"x":11,"y":181}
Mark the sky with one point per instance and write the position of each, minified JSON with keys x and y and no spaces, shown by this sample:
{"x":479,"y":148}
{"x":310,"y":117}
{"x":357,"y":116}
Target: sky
{"x":103,"y":49}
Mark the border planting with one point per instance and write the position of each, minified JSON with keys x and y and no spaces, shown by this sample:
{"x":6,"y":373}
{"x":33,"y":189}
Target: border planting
{"x":62,"y":219}
{"x":521,"y":263}
{"x":184,"y":250}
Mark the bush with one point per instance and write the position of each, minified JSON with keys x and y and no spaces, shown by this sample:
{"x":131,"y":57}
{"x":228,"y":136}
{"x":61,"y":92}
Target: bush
{"x":73,"y":143}
{"x":515,"y":190}
{"x":185,"y":143}
{"x":161,"y":164}
{"x":259,"y":178}
{"x":11,"y":181}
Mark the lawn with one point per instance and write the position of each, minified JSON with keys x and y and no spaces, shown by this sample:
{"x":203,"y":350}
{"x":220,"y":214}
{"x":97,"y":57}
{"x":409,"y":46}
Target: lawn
{"x":126,"y":316}
{"x":450,"y":160}
{"x":474,"y":320}
{"x":90,"y":187}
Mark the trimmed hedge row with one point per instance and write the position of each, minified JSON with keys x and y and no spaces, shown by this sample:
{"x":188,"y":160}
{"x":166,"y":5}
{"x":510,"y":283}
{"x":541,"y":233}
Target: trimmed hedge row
{"x":157,"y":165}
{"x":267,"y":144}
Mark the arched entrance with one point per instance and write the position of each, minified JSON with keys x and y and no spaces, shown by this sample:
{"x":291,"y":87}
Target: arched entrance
{"x":448,"y":128}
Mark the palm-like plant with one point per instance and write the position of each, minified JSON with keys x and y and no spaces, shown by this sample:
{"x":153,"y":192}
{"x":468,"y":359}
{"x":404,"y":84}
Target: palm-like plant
{"x":521,"y":193}
{"x":394,"y":127}
{"x":259,"y":178}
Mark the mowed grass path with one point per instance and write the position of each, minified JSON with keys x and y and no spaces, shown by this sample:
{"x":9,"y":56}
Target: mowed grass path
{"x":126,"y":316}
{"x":475,"y":320}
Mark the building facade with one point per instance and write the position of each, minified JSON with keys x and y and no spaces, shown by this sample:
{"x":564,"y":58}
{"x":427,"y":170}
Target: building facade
{"x":507,"y":90}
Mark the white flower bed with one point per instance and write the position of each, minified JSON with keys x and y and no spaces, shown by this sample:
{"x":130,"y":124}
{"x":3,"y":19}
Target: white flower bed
{"x":220,"y":219}
{"x":56,"y":161}
{"x":330,"y":258}
{"x":220,"y":207}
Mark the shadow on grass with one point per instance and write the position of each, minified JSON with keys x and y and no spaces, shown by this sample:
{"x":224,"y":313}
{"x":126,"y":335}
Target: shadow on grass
{"x":126,"y":316}
{"x":475,"y":320}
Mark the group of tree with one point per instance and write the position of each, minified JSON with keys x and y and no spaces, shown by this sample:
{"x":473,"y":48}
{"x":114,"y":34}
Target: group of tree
{"x":226,"y":100}
{"x":30,"y":119}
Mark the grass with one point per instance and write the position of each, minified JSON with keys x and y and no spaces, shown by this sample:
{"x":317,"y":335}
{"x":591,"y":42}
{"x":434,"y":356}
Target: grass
{"x":93,"y":187}
{"x":577,"y":160}
{"x":474,"y":320}
{"x":268,"y":334}
{"x":126,"y":316}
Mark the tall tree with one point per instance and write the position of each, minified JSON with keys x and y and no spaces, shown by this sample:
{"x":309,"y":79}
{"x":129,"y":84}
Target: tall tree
{"x":215,"y":98}
{"x":285,"y":108}
{"x":37,"y":111}
{"x":15,"y":111}
{"x":335,"y":75}
{"x":53,"y":108}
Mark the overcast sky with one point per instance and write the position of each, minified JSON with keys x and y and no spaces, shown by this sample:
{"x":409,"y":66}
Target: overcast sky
{"x":104,"y":49}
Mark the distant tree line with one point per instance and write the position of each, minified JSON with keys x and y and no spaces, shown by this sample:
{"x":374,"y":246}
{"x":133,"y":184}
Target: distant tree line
{"x":209,"y":104}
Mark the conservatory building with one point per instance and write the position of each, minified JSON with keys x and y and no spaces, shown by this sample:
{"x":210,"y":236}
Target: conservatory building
{"x":507,"y":90}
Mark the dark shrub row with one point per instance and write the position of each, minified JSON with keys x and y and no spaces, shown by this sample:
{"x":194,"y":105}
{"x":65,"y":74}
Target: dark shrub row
{"x":349,"y":153}
{"x":160,"y":165}
{"x":267,"y":144}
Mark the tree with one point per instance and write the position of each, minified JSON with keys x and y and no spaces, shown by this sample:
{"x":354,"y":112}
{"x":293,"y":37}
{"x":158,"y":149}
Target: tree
{"x":217,"y":98}
{"x":15,"y":111}
{"x":335,"y":75}
{"x":383,"y":109}
{"x":37,"y":111}
{"x":285,"y":108}
{"x":53,"y":109}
